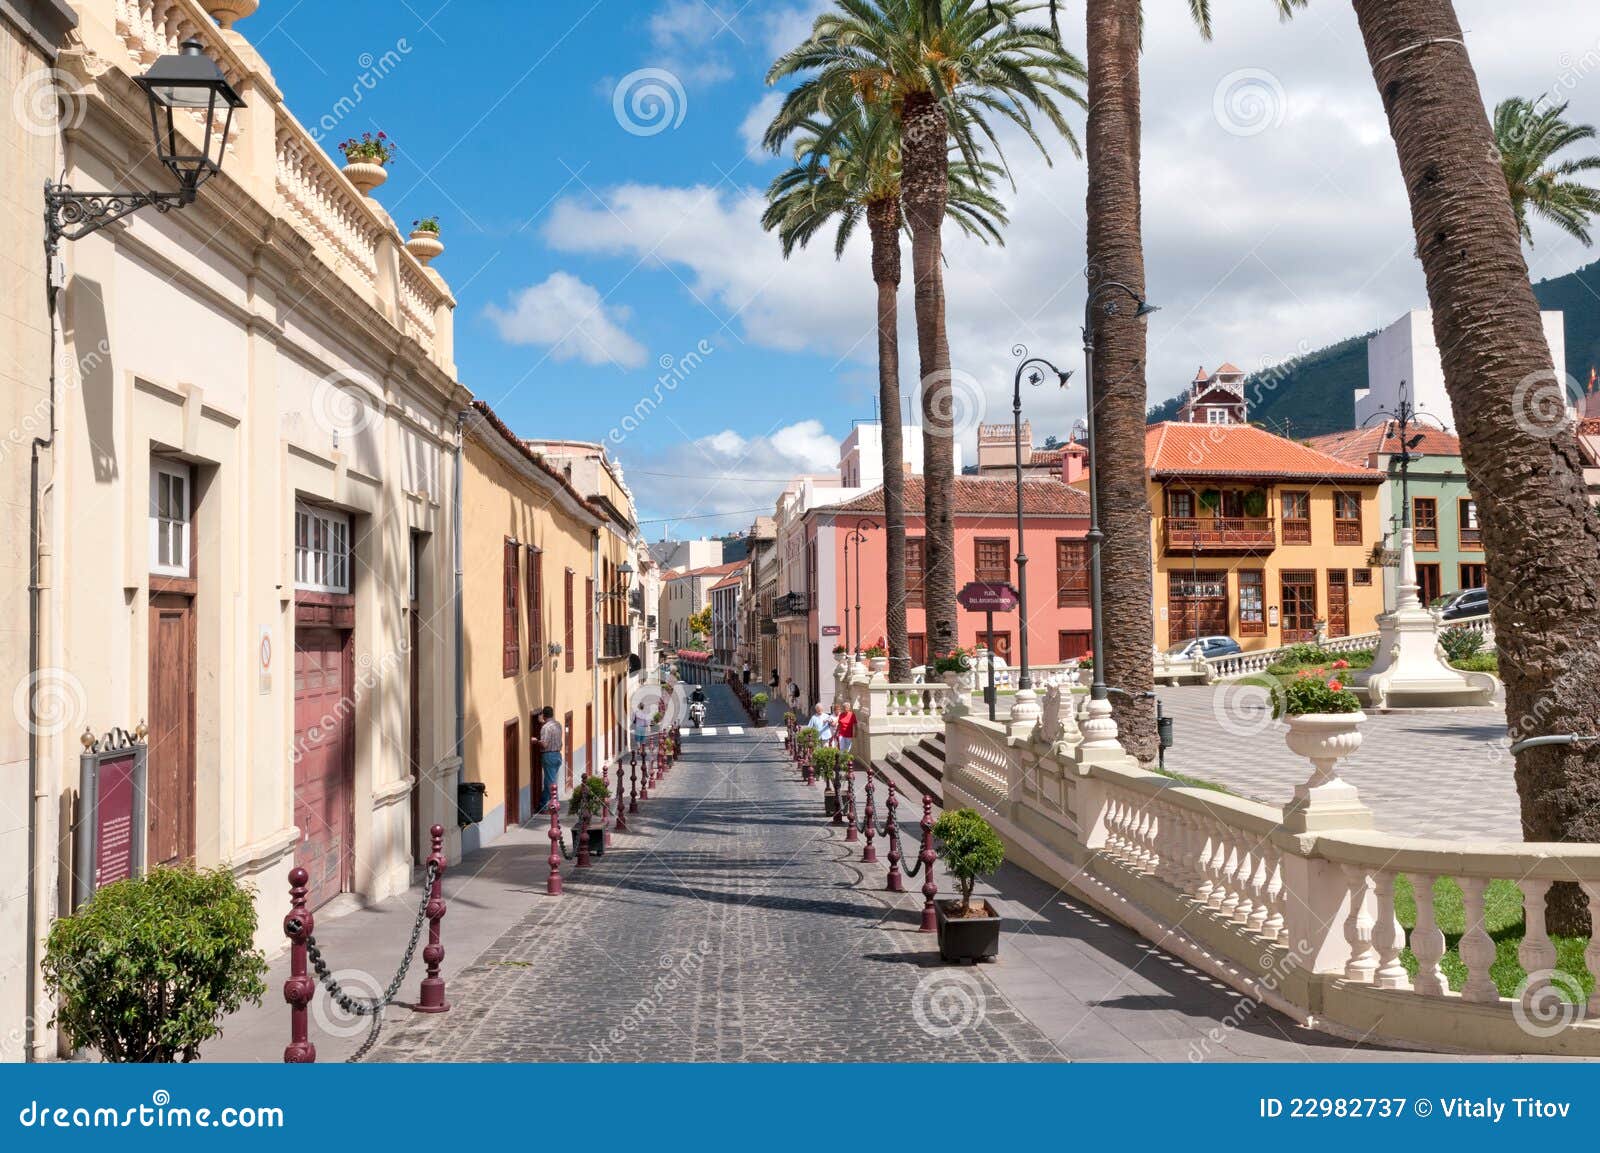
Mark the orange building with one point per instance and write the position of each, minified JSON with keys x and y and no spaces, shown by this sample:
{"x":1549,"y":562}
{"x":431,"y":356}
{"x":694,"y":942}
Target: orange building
{"x":1258,"y":537}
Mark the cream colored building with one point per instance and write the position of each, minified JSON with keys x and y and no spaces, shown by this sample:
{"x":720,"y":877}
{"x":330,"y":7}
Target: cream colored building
{"x":246,"y":512}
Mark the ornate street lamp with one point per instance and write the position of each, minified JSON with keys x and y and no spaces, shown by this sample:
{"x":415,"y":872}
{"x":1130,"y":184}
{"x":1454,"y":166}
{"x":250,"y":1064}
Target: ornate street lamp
{"x":1406,"y":417}
{"x":1037,"y":369}
{"x":1142,"y":308}
{"x":856,"y":534}
{"x":176,"y":86}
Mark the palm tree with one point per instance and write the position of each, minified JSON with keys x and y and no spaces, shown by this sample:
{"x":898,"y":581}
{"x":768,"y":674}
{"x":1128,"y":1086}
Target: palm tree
{"x":1527,"y":139}
{"x":1116,"y":255}
{"x":1539,"y":530}
{"x":946,"y":70}
{"x":858,"y":175}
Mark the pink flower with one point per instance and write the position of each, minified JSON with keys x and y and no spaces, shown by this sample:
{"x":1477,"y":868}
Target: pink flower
{"x":1341,"y":664}
{"x":1335,"y":685}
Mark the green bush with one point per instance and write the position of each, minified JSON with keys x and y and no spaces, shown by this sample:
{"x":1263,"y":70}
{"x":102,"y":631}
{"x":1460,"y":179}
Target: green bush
{"x":759,"y":700}
{"x":969,"y":847}
{"x":1488,"y":662}
{"x":1460,"y":643}
{"x":149,"y":967}
{"x":589,"y":796}
{"x":1305,"y":653}
{"x":826,"y":762}
{"x":807,"y":738}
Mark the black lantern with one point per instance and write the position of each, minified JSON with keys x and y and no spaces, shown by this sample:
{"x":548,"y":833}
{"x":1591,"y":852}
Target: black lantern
{"x":177,"y":86}
{"x":181,"y":84}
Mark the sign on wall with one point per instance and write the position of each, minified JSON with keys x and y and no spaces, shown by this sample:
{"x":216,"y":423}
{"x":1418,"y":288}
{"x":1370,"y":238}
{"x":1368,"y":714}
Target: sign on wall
{"x":830,"y":630}
{"x":987,"y":597}
{"x":112,"y":799}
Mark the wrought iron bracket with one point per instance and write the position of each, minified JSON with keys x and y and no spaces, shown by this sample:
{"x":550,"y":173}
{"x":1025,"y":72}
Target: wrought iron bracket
{"x":71,"y":215}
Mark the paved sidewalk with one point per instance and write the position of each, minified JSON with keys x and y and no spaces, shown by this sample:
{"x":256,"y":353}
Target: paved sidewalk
{"x":735,"y":924}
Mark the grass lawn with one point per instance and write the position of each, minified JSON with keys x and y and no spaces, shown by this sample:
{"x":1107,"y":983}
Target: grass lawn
{"x":1502,"y":918}
{"x":1194,"y":782}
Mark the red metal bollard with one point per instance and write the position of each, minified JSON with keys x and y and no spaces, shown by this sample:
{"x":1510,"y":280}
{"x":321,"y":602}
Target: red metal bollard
{"x":869,"y":852}
{"x":644,"y":771}
{"x":930,"y":922}
{"x":580,"y":833}
{"x":849,"y":798}
{"x":896,"y":882}
{"x":633,"y":783}
{"x":620,"y":825}
{"x":806,"y":767}
{"x":433,"y":952}
{"x":299,"y":988}
{"x":605,"y":818}
{"x":552,"y":887}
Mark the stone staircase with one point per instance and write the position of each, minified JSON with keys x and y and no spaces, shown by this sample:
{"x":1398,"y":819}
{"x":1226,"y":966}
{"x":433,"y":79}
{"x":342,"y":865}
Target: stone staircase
{"x":916,"y":771}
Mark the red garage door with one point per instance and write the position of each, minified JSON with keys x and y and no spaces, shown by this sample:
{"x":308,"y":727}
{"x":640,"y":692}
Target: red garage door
{"x":323,"y":744}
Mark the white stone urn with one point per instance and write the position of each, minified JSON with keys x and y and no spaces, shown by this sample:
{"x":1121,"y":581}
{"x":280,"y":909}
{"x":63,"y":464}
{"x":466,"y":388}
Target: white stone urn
{"x":1325,"y":801}
{"x":424,"y":245}
{"x":366,"y":175}
{"x":227,"y":12}
{"x":879,"y":667}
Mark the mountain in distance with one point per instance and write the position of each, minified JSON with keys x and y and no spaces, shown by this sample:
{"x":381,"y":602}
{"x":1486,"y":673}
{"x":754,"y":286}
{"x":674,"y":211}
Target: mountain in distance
{"x":1315,"y":393}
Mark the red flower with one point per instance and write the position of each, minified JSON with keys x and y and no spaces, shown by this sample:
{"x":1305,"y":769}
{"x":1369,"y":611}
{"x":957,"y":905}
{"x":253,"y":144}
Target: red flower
{"x":1341,"y":664}
{"x":1336,"y":685}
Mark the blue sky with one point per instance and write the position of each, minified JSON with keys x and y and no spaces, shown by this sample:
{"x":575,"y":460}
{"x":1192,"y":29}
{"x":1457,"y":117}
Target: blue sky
{"x":588,"y":244}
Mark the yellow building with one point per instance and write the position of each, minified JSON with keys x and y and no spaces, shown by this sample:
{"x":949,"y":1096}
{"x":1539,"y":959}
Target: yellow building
{"x":1259,"y":538}
{"x":528,"y":580}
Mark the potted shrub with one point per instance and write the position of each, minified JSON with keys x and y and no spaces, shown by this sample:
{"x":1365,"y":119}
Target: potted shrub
{"x":424,"y":243}
{"x":1324,"y":721}
{"x":953,"y":666}
{"x":877,"y":655}
{"x":758,"y":709}
{"x":588,"y":799}
{"x":970,"y":849}
{"x":825,"y":760}
{"x":149,"y":967}
{"x":364,"y":160}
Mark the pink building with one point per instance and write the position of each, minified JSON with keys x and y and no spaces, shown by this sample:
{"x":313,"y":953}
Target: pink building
{"x":1056,"y":519}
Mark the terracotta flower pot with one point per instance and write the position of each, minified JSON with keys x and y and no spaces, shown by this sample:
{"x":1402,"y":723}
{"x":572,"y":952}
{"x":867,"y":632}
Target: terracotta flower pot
{"x":227,"y":12}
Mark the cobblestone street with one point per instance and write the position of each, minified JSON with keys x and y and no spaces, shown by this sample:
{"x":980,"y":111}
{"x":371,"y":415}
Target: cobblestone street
{"x":734,"y":925}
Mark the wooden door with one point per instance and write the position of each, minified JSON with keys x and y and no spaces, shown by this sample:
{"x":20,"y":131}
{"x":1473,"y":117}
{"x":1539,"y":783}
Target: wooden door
{"x":1299,"y":598}
{"x":513,"y":769}
{"x":170,"y":834}
{"x":1338,"y":603}
{"x":324,"y":744}
{"x":1428,"y":583}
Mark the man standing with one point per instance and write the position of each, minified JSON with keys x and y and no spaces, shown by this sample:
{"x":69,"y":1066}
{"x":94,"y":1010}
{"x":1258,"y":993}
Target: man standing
{"x":822,"y":722}
{"x":550,"y":740}
{"x":744,"y":672}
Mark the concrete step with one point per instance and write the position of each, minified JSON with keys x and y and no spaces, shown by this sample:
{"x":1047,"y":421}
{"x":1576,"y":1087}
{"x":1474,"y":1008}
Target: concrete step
{"x":927,"y":757}
{"x":921,"y":767}
{"x":911,"y":789}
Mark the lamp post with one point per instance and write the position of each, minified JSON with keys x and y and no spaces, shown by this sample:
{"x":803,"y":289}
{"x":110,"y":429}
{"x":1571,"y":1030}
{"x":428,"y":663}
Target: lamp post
{"x":187,"y":82}
{"x":1406,"y":417}
{"x":1035,"y":368}
{"x":856,"y":534}
{"x":1104,"y":731}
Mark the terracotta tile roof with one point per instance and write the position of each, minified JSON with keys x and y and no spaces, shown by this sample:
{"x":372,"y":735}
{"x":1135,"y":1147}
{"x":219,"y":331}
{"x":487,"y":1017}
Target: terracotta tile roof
{"x":1200,"y":374}
{"x":984,"y":496}
{"x":715,"y":570}
{"x":521,"y":447}
{"x":1228,"y":366}
{"x":1358,"y":446}
{"x":1041,"y":456}
{"x":726,"y":583}
{"x":1175,"y":449}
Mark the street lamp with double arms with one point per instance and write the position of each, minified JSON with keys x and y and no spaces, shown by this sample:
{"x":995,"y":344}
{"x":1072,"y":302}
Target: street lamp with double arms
{"x":1037,"y":370}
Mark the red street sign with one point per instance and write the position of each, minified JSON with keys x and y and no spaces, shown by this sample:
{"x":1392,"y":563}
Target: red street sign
{"x":987,"y":597}
{"x":830,"y":630}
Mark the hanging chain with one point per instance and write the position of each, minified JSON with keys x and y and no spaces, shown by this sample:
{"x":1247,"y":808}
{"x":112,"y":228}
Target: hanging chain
{"x":373,"y":1006}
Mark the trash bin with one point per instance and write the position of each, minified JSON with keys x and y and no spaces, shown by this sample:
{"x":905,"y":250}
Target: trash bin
{"x":469,"y":802}
{"x":1164,"y":731}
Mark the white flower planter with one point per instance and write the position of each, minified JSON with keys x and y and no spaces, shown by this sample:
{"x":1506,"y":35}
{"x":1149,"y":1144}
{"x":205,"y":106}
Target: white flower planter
{"x":366,"y":175}
{"x":1325,"y":801}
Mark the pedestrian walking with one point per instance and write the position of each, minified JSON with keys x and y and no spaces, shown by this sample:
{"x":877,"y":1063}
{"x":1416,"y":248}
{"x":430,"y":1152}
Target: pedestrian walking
{"x":550,"y":740}
{"x":822,"y":722}
{"x":846,"y":726}
{"x":794,"y":697}
{"x":744,"y":672}
{"x":773,"y":684}
{"x":641,"y":723}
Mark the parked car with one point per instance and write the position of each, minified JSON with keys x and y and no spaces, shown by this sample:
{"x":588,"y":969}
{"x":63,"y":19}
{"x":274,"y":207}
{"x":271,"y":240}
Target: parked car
{"x":1465,"y":603}
{"x":1204,"y":648}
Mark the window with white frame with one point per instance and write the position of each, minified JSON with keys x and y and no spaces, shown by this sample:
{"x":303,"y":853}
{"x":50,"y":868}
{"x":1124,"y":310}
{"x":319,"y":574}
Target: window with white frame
{"x":321,"y":550}
{"x":169,"y":518}
{"x":1216,"y":416}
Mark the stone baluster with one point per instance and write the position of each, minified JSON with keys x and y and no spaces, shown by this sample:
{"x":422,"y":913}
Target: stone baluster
{"x":1193,"y":842}
{"x":1219,"y":866}
{"x":1388,"y":937}
{"x":1245,"y":905}
{"x":1272,"y":928}
{"x":1204,"y":860}
{"x":1537,"y":954}
{"x":1258,"y":892}
{"x":1591,"y":889}
{"x":1358,"y":924}
{"x":1145,"y":832}
{"x":1427,"y":942}
{"x":1226,"y":878}
{"x":1476,"y":947}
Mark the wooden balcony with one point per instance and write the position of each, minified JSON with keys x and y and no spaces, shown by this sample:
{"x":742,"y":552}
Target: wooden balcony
{"x":1222,"y":534}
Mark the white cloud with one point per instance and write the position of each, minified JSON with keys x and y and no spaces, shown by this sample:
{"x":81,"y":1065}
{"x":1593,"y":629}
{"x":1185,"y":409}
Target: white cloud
{"x":568,"y":316}
{"x":754,"y":125}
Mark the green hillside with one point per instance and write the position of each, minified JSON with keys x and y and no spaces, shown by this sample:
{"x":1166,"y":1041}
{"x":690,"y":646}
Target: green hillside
{"x":1314,"y":394}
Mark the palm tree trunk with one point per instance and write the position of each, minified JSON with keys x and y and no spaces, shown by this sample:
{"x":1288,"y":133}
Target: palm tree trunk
{"x":1539,"y":532}
{"x":1116,"y":253}
{"x":924,"y":183}
{"x":883,"y":222}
